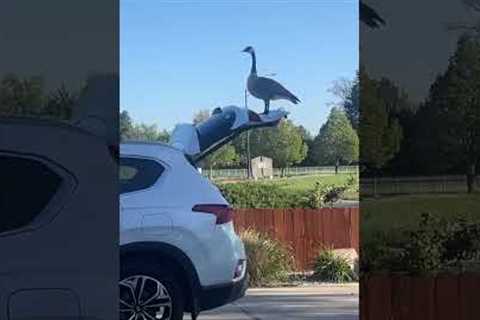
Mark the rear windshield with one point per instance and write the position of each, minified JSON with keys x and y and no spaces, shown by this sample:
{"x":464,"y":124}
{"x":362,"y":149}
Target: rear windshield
{"x":138,"y":174}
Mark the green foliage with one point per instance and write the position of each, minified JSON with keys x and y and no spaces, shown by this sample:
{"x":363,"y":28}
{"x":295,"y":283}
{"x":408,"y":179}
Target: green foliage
{"x":348,"y":91}
{"x":268,"y":261}
{"x":284,"y":144}
{"x":224,"y":157}
{"x":259,"y":195}
{"x":273,"y":195}
{"x":25,"y":97}
{"x":380,"y":132}
{"x":324,"y":195}
{"x":453,"y":109}
{"x":329,"y":267}
{"x":435,"y":245}
{"x":129,"y":130}
{"x":337,"y":141}
{"x":308,"y":139}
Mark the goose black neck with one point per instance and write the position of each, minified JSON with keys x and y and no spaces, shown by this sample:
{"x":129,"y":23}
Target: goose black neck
{"x":254,"y":63}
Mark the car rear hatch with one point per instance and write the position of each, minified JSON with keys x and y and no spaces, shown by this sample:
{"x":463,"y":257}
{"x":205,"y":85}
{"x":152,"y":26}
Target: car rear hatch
{"x":199,"y":140}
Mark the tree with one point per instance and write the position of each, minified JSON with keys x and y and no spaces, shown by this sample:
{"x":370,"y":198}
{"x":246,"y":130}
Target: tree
{"x":201,"y":116}
{"x":337,"y":142}
{"x":60,"y":103}
{"x":348,"y":93}
{"x":21,"y":97}
{"x":284,"y":144}
{"x":380,"y":133}
{"x":226,"y":156}
{"x":308,"y":140}
{"x":129,"y":130}
{"x":455,"y":103}
{"x":126,"y":125}
{"x":25,"y":97}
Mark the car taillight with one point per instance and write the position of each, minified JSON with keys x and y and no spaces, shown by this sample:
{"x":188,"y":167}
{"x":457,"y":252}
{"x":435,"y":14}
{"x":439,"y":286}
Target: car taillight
{"x":223,"y":213}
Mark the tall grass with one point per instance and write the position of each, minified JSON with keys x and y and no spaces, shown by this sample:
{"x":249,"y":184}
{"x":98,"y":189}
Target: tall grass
{"x":268,"y":261}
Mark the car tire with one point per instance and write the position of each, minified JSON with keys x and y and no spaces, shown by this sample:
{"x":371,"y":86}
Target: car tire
{"x":159,"y":295}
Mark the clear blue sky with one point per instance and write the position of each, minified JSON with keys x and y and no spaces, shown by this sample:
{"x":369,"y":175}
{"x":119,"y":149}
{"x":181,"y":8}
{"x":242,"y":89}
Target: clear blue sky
{"x":177,"y":57}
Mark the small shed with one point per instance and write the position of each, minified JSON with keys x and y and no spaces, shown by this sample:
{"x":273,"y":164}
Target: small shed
{"x":262,"y":168}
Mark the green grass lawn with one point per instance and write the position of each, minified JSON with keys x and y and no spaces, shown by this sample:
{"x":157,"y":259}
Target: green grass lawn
{"x":390,"y":214}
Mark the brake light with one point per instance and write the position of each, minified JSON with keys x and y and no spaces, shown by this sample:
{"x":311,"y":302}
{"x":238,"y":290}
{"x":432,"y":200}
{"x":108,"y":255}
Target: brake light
{"x":223,"y":213}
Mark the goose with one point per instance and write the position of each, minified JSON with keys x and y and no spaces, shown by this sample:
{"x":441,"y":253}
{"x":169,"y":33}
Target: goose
{"x":264,"y":88}
{"x":370,"y":17}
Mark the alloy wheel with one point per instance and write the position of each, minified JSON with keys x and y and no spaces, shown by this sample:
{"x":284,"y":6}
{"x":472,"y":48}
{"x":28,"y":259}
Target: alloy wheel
{"x":144,"y":298}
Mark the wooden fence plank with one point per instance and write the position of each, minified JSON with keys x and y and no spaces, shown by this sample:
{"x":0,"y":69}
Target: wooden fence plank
{"x":469,"y":296}
{"x":379,"y":298}
{"x":393,"y":297}
{"x":305,"y":231}
{"x":447,"y":302}
{"x":422,"y":304}
{"x":401,"y":295}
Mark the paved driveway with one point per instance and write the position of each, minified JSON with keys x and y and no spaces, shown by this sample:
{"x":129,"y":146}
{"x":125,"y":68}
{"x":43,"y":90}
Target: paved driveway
{"x":320,"y":303}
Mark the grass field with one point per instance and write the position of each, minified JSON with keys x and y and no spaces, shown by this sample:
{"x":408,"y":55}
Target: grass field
{"x":390,"y":214}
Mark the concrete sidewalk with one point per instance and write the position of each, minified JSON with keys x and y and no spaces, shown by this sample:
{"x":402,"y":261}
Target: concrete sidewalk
{"x":336,"y":302}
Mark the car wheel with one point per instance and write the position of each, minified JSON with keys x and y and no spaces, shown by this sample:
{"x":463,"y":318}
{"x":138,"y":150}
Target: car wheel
{"x":149,"y":293}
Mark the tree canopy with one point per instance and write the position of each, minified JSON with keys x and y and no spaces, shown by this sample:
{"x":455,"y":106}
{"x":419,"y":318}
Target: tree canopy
{"x":454,"y":109}
{"x":130,"y":130}
{"x":380,"y":133}
{"x":337,"y":142}
{"x":284,"y":144}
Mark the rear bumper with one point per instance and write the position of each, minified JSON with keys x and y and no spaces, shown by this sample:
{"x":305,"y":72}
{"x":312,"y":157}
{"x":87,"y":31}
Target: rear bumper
{"x":219,"y":295}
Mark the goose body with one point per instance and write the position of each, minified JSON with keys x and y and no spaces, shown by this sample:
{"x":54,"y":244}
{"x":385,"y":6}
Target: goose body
{"x":264,"y":88}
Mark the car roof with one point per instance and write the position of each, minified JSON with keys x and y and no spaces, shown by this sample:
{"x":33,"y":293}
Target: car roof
{"x":149,"y":148}
{"x":33,"y":123}
{"x":148,"y":144}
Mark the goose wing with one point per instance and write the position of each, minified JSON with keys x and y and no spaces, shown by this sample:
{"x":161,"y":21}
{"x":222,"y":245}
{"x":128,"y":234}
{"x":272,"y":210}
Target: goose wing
{"x":370,"y":17}
{"x":271,"y":89}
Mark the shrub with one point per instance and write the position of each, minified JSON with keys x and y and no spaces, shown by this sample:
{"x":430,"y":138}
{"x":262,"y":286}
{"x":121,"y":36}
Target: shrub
{"x":324,"y":195}
{"x":268,"y":261}
{"x":329,"y":267}
{"x":434,"y":245}
{"x":269,"y":195}
{"x":259,"y":195}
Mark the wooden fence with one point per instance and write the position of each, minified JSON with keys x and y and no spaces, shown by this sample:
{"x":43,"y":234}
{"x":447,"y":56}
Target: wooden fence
{"x":305,"y":231}
{"x":387,"y":297}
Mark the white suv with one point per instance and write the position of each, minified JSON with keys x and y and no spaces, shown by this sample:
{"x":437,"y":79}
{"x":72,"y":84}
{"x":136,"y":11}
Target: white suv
{"x":179,"y":251}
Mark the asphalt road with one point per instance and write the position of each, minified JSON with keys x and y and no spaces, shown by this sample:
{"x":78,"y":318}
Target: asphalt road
{"x":320,"y":303}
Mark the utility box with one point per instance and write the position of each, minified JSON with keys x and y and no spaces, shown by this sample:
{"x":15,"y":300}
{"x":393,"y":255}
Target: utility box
{"x":262,"y":168}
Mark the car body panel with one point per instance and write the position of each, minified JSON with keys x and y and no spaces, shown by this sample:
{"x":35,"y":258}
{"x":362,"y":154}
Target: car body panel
{"x":163,"y":212}
{"x":39,"y":257}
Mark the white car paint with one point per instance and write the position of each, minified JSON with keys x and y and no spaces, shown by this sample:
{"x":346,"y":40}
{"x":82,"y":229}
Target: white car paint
{"x":163,"y":213}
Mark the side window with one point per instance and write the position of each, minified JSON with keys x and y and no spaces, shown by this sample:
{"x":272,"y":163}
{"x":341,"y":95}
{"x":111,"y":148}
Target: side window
{"x":26,"y":187}
{"x":137,"y":174}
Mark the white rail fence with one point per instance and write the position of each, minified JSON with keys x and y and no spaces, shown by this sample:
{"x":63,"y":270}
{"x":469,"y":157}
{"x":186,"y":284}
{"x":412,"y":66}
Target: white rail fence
{"x":413,"y":185}
{"x":219,"y":174}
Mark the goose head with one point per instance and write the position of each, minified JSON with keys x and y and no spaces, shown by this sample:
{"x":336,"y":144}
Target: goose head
{"x":248,"y":49}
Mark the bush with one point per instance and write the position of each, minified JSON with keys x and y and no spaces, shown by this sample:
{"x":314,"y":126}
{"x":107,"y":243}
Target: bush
{"x":268,"y":261}
{"x":259,"y":195}
{"x":329,"y":267}
{"x":269,"y":195}
{"x":435,"y":245}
